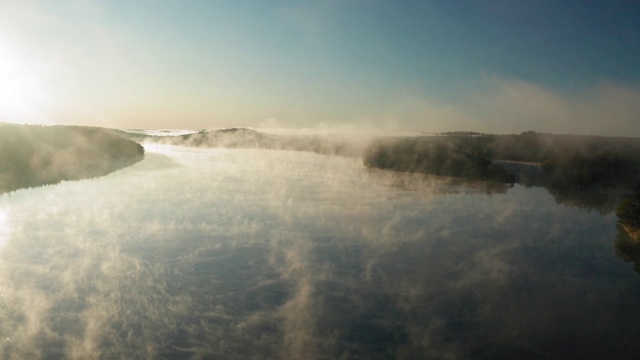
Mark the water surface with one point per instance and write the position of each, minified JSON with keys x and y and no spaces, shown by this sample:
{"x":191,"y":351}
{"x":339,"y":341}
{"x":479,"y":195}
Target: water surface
{"x":239,"y":254}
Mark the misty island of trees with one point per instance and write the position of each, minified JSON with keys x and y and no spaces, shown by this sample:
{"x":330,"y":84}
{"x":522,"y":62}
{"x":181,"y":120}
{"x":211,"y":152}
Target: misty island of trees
{"x":627,"y":244}
{"x":457,"y":156}
{"x":591,"y":172}
{"x":32,"y":155}
{"x":562,"y":160}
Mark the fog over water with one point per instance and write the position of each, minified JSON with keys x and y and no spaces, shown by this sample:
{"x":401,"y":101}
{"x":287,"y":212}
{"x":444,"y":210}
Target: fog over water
{"x":240,"y":254}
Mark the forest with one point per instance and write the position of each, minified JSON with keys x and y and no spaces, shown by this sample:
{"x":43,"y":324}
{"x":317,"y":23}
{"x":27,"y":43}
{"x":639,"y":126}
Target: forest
{"x":565,"y":160}
{"x":591,"y":172}
{"x":628,"y":212}
{"x":33,"y":155}
{"x":457,"y":156}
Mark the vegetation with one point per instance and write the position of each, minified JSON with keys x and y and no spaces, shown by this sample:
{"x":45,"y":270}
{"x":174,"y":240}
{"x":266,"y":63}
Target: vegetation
{"x":602,"y":200}
{"x":565,"y":161}
{"x":627,"y":248}
{"x":628,"y":211}
{"x":437,"y":156}
{"x":33,"y":155}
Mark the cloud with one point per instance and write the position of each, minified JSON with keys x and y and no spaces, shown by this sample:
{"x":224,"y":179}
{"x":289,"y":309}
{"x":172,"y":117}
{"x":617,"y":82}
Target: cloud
{"x":414,"y":110}
{"x":606,"y":108}
{"x":312,"y":18}
{"x":512,"y":105}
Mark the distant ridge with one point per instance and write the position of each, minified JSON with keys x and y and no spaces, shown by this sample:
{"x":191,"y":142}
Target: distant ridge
{"x":253,"y":139}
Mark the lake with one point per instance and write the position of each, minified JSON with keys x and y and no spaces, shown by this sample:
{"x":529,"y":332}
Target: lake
{"x":258,"y":254}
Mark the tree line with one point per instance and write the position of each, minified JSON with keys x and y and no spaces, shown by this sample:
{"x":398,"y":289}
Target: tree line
{"x":566,"y":160}
{"x":33,"y":155}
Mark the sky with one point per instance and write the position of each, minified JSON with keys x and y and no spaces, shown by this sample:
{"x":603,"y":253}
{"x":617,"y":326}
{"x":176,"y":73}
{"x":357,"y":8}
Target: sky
{"x":496,"y":66}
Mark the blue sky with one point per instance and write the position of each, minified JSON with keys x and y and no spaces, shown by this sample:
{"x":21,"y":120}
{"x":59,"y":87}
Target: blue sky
{"x":499,"y":66}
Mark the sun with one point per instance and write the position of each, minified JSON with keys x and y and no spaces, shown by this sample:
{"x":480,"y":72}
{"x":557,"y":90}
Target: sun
{"x":22,"y":92}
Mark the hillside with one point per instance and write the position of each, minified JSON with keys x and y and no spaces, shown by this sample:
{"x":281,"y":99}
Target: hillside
{"x":32,"y":155}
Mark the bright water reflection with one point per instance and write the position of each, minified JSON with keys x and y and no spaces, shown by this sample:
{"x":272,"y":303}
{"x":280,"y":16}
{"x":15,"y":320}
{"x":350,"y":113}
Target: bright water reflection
{"x":4,"y":227}
{"x":266,"y":254}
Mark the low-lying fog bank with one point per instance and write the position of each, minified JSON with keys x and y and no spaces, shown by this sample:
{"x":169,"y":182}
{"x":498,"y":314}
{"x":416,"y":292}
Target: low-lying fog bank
{"x":592,"y":172}
{"x":327,"y":144}
{"x":565,"y":160}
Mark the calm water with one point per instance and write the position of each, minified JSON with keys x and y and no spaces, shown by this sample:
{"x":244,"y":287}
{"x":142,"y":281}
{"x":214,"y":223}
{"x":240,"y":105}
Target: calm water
{"x":239,"y":254}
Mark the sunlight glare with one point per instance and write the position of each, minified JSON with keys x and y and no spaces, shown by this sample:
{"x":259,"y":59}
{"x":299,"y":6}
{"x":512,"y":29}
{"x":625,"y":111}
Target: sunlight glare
{"x":22,"y":94}
{"x":4,"y":228}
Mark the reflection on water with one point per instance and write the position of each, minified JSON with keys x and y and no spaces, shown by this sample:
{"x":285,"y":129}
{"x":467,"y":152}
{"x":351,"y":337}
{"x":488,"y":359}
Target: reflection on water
{"x":603,"y":200}
{"x":628,"y":248}
{"x":212,"y":253}
{"x":4,"y":227}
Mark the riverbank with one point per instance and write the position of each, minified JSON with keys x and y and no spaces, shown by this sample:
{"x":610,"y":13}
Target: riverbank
{"x":33,"y":155}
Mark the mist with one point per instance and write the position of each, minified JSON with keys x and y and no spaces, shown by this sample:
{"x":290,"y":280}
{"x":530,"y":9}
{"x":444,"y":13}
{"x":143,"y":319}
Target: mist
{"x":319,"y":180}
{"x":198,"y":252}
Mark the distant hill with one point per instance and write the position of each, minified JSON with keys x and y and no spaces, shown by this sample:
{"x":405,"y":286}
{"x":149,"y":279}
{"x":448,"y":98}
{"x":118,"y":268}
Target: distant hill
{"x":252,"y":139}
{"x":33,"y":155}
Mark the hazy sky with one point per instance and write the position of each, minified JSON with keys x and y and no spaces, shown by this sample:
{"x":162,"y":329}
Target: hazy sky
{"x":494,"y":66}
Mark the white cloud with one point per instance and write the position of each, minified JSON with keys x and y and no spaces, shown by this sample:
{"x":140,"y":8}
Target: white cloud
{"x":513,"y":105}
{"x":311,"y":17}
